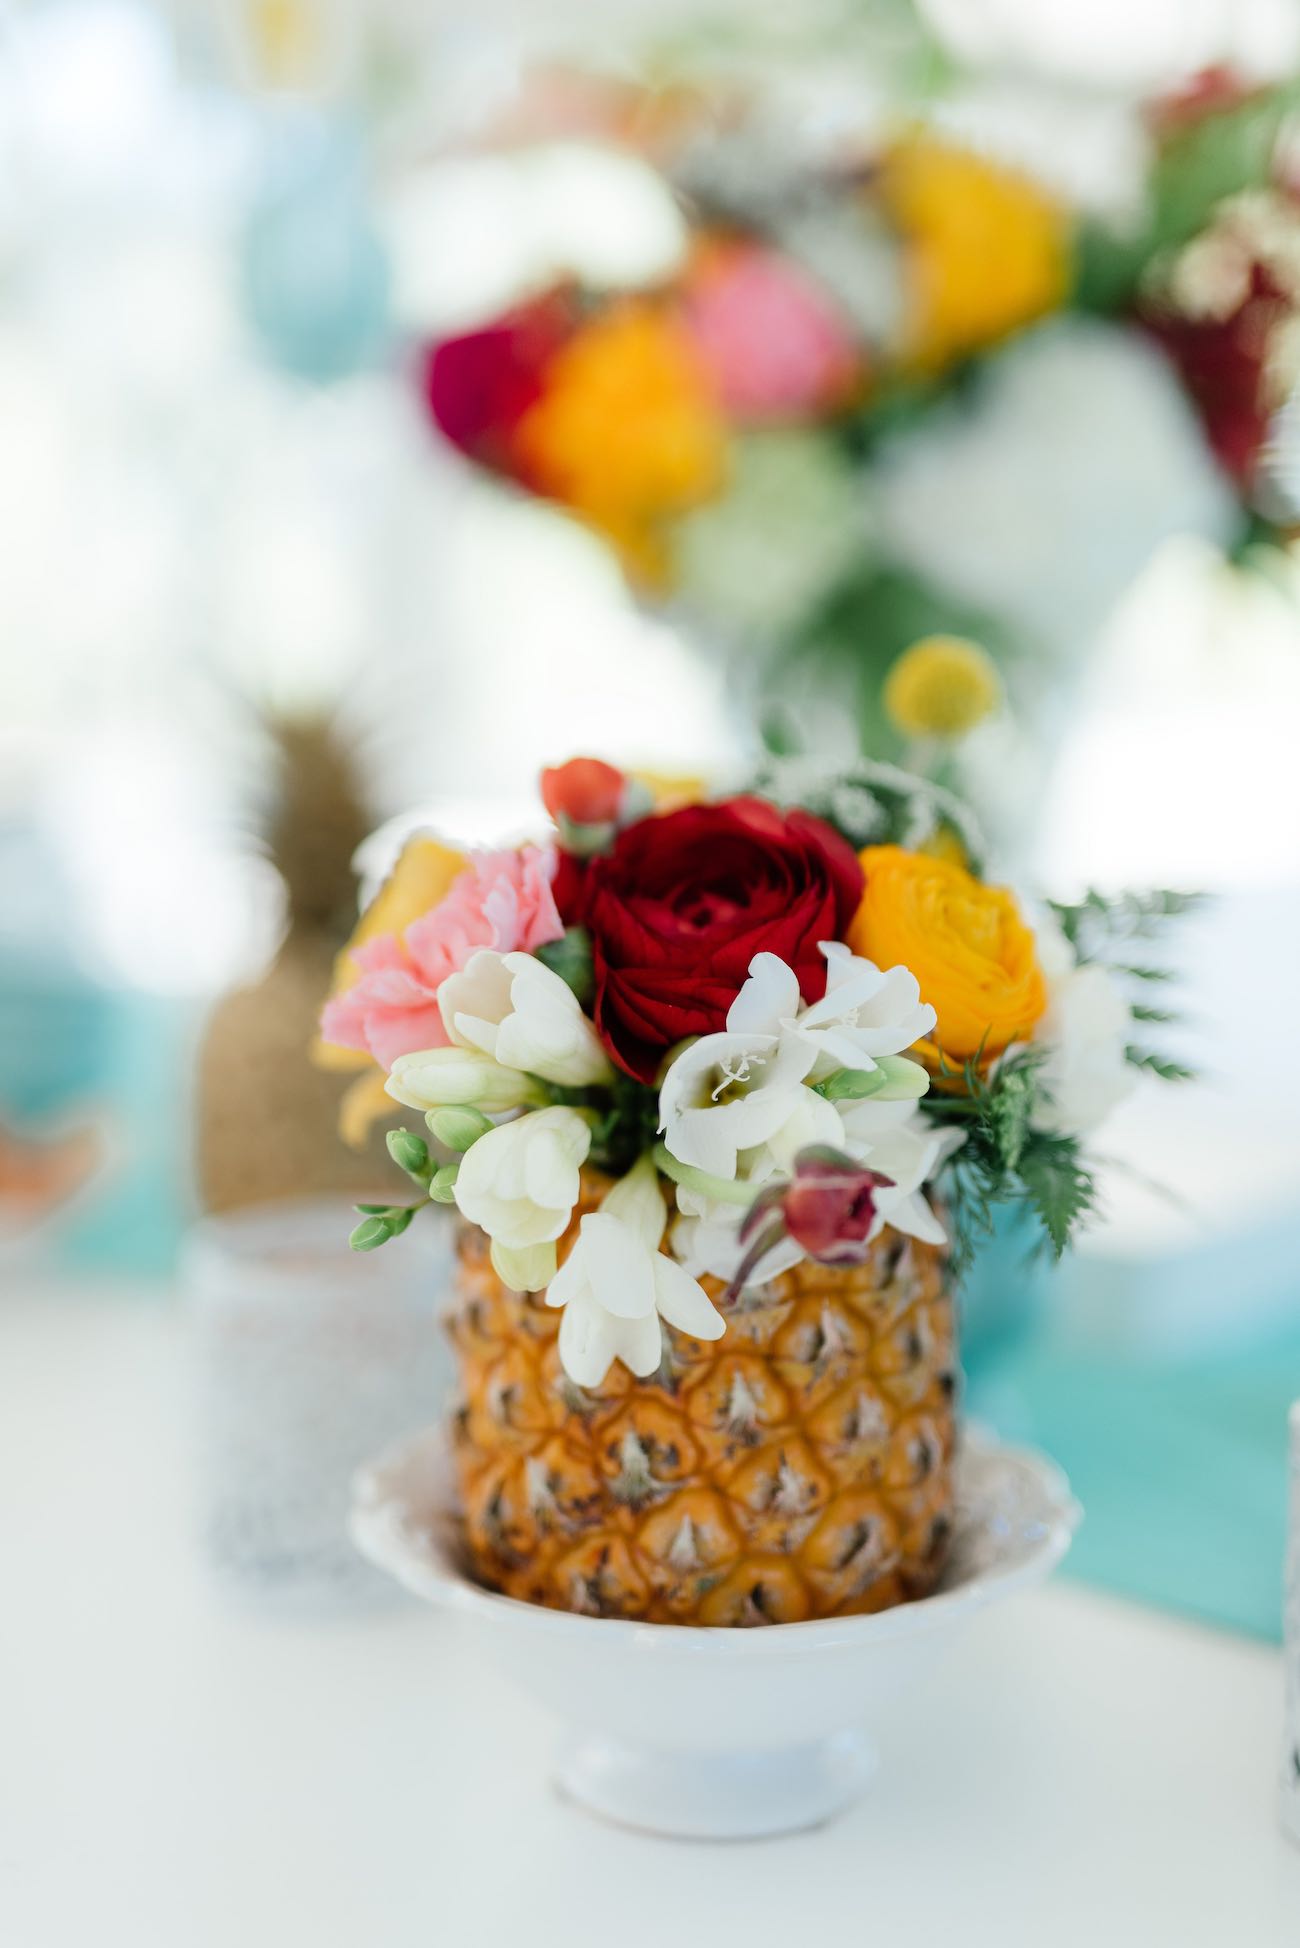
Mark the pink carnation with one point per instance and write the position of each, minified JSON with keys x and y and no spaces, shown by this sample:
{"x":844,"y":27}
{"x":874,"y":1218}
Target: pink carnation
{"x":502,"y":900}
{"x":776,"y":344}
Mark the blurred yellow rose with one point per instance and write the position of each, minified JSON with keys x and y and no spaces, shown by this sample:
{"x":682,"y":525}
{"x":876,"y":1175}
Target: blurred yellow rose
{"x":986,"y":251}
{"x":965,"y":942}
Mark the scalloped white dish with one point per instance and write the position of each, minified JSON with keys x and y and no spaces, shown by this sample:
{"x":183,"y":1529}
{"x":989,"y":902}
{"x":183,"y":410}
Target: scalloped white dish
{"x":719,"y":1734}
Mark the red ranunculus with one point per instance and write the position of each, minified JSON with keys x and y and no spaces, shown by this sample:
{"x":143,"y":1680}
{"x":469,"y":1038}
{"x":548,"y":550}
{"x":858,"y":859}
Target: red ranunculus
{"x":682,"y":903}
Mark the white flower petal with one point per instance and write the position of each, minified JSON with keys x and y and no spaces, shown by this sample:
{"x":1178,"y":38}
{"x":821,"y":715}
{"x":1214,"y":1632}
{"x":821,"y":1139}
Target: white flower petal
{"x":520,"y":1181}
{"x":480,"y":990}
{"x":550,"y":1173}
{"x":910,"y":1213}
{"x":619,"y":1268}
{"x":769,"y":995}
{"x":683,"y":1302}
{"x":639,"y":1343}
{"x":570,"y":1285}
{"x":587,"y":1342}
{"x":637,"y":1201}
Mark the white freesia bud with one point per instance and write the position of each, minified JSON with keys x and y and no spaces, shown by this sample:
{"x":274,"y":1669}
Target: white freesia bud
{"x":513,"y":1007}
{"x":530,"y":1268}
{"x":520,"y":1183}
{"x":616,"y":1285}
{"x":435,"y":1078}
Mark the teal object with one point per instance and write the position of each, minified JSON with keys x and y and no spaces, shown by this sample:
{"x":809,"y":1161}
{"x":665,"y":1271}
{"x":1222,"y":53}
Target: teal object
{"x":77,"y":1051}
{"x":1005,"y":1293}
{"x":1177,"y":1450}
{"x":313,"y":267}
{"x":73,"y":1052}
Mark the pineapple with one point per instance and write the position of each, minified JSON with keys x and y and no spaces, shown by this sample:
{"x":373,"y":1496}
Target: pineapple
{"x":800,"y":1466}
{"x":265,"y":1118}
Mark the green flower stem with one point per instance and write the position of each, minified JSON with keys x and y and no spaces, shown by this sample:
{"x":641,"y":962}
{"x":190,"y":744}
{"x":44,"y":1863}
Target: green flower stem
{"x":724,"y":1189}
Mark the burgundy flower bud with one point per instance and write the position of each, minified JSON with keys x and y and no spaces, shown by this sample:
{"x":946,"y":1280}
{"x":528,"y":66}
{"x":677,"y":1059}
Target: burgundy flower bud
{"x":827,"y":1206}
{"x":830,"y":1207}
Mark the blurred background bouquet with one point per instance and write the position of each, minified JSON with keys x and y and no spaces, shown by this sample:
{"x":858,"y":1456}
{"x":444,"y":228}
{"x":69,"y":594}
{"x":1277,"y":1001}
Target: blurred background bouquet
{"x":902,"y":378}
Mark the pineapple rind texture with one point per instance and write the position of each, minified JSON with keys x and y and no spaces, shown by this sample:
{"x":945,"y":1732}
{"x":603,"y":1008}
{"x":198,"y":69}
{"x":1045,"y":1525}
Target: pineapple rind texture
{"x":799,"y":1467}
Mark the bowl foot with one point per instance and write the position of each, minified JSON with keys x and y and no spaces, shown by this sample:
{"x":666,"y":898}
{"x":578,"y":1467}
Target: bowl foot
{"x":706,"y":1796}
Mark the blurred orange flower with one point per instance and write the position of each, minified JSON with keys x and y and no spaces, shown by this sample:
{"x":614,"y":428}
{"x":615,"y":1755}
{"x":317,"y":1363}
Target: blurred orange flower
{"x":986,"y":250}
{"x":627,"y":431}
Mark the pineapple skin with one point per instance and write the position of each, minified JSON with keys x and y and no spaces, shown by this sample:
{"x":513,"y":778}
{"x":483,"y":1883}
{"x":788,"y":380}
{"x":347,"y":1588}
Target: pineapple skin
{"x":799,"y":1467}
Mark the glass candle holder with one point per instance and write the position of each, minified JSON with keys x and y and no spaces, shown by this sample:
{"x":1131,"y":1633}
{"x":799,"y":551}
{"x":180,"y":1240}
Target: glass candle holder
{"x":309,"y":1359}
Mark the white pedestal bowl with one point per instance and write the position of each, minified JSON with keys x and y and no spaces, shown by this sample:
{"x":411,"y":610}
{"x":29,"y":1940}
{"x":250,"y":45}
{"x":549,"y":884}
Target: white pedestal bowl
{"x":718,"y":1734}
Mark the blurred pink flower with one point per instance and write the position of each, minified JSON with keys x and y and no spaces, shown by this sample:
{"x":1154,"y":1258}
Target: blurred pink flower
{"x":502,"y":900}
{"x":776,"y":344}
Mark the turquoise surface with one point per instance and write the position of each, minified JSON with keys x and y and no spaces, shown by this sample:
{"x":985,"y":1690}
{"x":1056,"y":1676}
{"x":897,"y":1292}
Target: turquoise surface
{"x":1178,"y":1455}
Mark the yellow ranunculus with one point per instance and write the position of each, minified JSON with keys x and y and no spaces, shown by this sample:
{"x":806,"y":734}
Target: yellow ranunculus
{"x":422,"y":876}
{"x":627,"y":431}
{"x":965,"y":942}
{"x":986,"y":251}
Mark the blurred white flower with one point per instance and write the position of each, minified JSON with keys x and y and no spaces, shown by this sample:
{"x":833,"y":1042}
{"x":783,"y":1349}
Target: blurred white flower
{"x":792,"y":522}
{"x":520,"y":1182}
{"x":1086,"y":1030}
{"x":1042,"y":495}
{"x":616,"y":1285}
{"x":514,"y":1008}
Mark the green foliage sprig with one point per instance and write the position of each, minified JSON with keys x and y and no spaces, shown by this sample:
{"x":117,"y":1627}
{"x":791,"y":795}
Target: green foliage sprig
{"x":1004,"y":1159}
{"x":1114,"y":930}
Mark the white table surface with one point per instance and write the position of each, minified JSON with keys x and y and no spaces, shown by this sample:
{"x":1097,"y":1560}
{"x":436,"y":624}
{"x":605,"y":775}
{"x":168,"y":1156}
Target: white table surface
{"x":178,"y":1771}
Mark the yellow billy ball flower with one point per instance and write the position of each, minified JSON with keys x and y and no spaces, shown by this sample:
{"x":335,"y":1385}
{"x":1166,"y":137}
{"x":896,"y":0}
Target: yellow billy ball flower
{"x":941,"y":687}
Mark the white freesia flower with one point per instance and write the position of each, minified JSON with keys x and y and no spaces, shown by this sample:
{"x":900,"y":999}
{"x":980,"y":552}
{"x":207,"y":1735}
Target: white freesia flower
{"x":864,"y":1013}
{"x":1086,"y":1029}
{"x":516,"y":1009}
{"x":437,"y":1078}
{"x":616,"y":1285}
{"x":736,"y":1091}
{"x":520,"y":1183}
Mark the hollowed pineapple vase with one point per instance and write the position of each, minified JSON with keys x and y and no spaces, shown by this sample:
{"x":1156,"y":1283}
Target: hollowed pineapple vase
{"x":798,"y":1467}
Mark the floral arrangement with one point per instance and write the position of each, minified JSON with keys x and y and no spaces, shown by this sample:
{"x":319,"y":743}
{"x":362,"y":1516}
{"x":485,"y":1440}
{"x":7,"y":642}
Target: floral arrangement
{"x":882,"y":399}
{"x":775,"y":1023}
